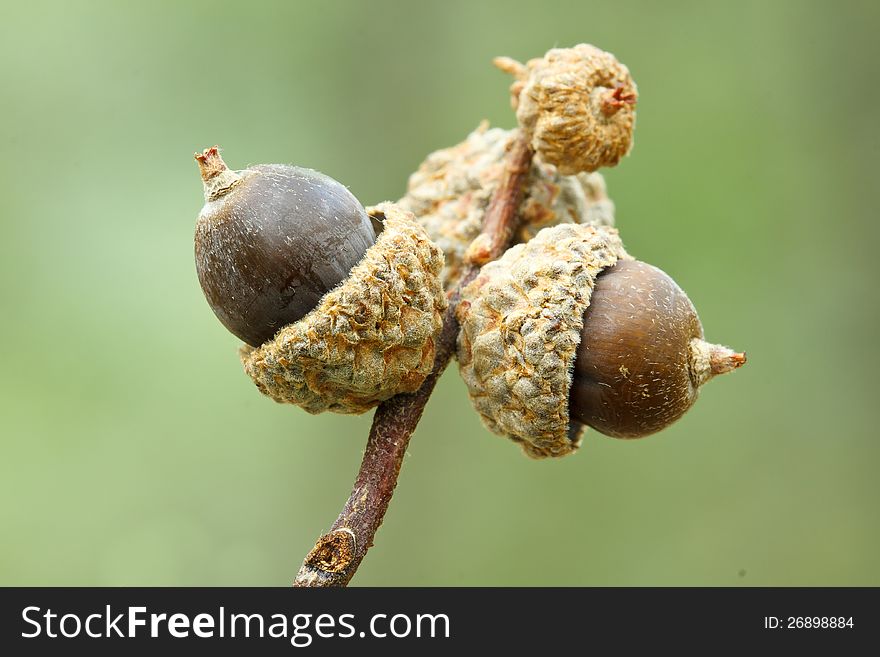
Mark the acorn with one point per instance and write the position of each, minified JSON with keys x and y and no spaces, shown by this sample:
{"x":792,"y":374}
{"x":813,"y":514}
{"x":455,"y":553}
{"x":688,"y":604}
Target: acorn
{"x":641,"y":358}
{"x":568,"y":330}
{"x":334,"y":317}
{"x":271,"y":241}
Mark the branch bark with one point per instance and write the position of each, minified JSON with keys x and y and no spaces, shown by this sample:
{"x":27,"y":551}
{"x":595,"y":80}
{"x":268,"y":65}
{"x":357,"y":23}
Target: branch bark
{"x":338,"y":553}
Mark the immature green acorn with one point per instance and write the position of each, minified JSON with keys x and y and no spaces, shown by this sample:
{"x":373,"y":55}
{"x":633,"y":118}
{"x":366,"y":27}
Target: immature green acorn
{"x":334,"y":317}
{"x":568,"y":330}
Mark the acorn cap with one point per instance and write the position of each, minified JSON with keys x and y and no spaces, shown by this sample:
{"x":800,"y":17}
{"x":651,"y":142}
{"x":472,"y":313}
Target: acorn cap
{"x":369,"y":338}
{"x":521,"y":322}
{"x":452,"y":188}
{"x":576,"y":106}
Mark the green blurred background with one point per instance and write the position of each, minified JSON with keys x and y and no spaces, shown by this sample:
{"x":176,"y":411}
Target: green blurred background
{"x":136,"y":452}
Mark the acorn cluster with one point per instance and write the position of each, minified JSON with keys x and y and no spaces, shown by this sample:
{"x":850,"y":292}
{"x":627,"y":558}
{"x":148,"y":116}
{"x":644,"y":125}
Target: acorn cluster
{"x":340,"y":306}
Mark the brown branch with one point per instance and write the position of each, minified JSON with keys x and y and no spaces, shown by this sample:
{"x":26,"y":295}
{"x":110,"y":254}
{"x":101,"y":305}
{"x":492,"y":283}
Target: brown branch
{"x":338,"y":553}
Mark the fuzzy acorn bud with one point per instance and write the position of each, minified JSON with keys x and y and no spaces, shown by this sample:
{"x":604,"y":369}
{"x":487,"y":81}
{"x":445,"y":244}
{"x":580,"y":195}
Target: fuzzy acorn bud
{"x":641,"y":358}
{"x":271,"y":241}
{"x":575,"y":105}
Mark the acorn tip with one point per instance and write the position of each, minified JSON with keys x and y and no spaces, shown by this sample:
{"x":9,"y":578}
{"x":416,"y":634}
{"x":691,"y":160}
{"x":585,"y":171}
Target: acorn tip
{"x":210,"y":162}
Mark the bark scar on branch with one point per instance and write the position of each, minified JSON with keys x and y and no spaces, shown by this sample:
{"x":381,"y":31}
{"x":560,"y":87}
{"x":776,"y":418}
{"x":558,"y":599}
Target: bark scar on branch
{"x":338,"y":553}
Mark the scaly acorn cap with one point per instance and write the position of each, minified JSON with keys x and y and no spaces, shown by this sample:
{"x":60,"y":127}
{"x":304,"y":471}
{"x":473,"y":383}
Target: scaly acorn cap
{"x":451,"y":190}
{"x":521,"y":322}
{"x":370,"y":338}
{"x":576,"y":105}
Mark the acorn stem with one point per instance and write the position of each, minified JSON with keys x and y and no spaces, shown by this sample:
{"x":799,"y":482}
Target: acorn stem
{"x":498,"y":223}
{"x":338,"y":553}
{"x":511,"y":66}
{"x":708,"y":360}
{"x":519,"y":72}
{"x":216,"y":176}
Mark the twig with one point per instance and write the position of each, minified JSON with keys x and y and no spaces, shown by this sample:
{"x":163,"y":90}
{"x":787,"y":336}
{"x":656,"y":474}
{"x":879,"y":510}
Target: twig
{"x":338,"y":553}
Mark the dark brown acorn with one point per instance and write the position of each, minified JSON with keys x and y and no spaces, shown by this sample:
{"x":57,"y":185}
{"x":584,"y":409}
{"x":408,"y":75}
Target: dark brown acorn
{"x":271,"y":240}
{"x":642,"y":357}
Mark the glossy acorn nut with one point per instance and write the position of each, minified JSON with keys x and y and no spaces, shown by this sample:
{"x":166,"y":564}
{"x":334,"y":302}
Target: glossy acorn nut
{"x":642,"y":357}
{"x":272,"y":240}
{"x":526,"y":342}
{"x":335,"y":318}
